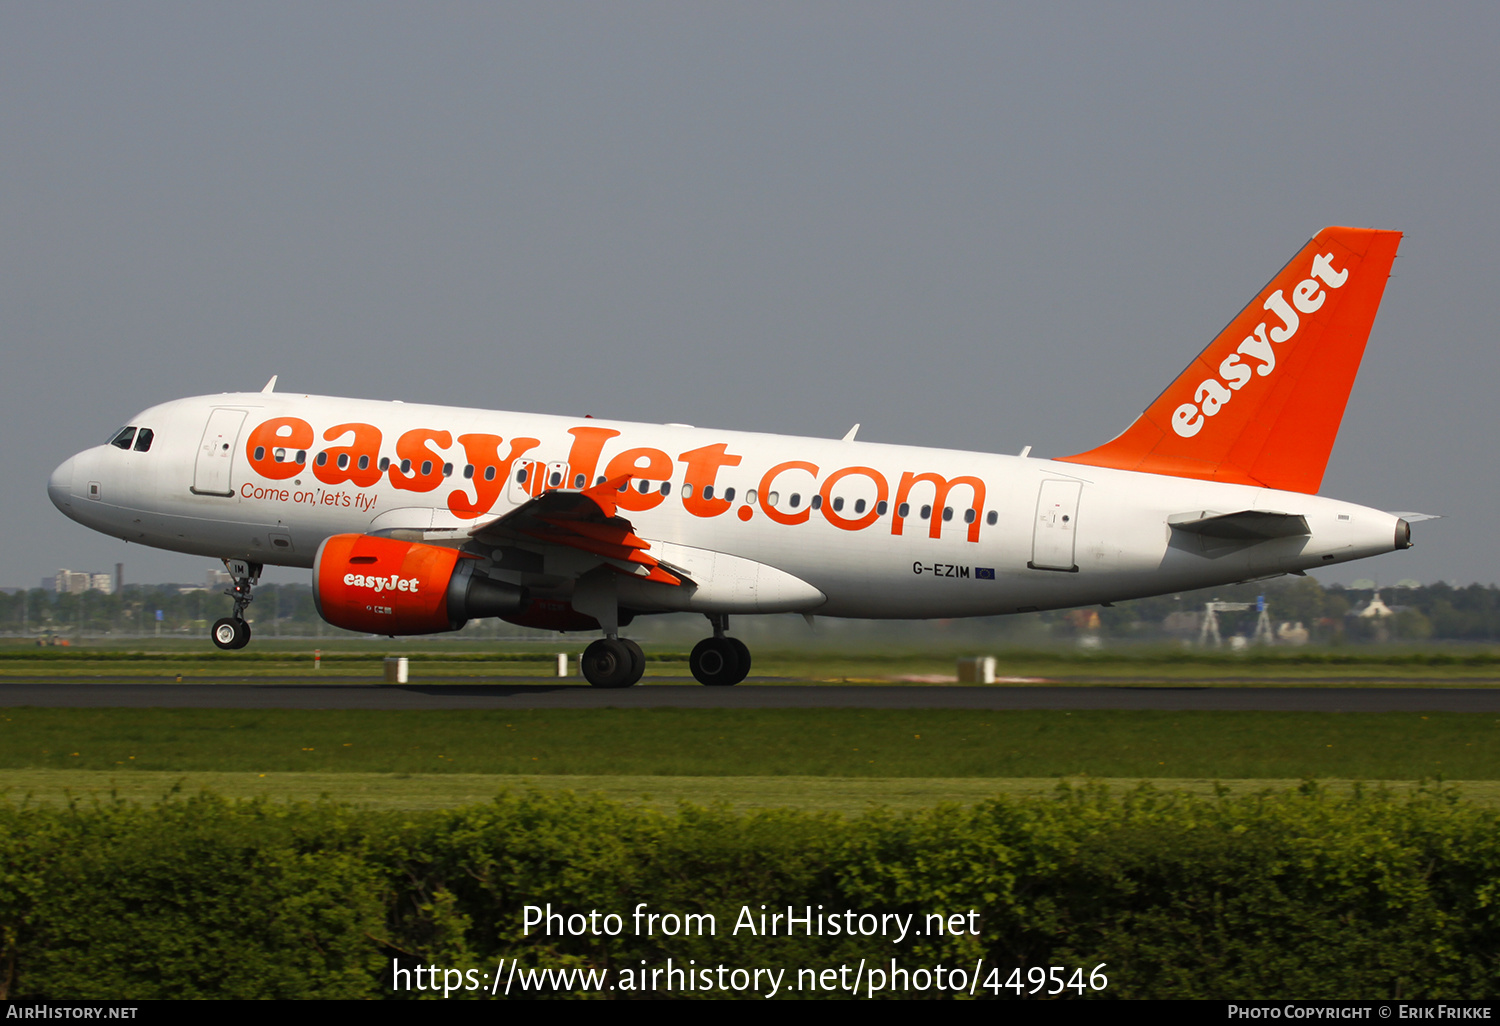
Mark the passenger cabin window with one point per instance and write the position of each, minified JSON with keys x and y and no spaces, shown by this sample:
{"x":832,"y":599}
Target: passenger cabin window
{"x":992,"y":519}
{"x":124,"y":438}
{"x":729,"y":495}
{"x":143,"y":440}
{"x":489,"y":473}
{"x":882,"y":506}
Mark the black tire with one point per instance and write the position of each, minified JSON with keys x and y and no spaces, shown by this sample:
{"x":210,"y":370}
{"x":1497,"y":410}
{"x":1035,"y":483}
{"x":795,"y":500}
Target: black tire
{"x":607,"y":663}
{"x":744,"y":651}
{"x":231,"y":633}
{"x":716,"y":662}
{"x":637,"y":660}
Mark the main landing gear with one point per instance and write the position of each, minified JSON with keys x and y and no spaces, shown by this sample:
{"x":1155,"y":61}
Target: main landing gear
{"x":232,"y":631}
{"x":720,"y":661}
{"x":613,"y":662}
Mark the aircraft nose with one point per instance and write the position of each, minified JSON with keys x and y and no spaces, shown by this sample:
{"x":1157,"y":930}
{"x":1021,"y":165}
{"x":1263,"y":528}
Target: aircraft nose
{"x":60,"y":484}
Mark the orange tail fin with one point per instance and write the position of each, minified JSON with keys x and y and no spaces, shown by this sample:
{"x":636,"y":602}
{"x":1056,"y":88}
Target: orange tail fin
{"x":1262,"y":404}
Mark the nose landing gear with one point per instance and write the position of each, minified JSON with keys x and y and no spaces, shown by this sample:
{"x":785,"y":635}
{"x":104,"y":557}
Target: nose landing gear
{"x":720,"y":661}
{"x":233,"y":632}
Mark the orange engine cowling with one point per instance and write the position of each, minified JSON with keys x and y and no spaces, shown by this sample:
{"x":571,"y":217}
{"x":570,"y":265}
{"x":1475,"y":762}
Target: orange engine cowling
{"x":384,"y":586}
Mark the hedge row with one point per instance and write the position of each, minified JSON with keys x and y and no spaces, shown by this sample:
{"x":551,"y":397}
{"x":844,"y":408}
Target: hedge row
{"x":1279,"y":895}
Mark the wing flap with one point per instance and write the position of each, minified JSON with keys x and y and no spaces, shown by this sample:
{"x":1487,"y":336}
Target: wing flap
{"x":587,"y":521}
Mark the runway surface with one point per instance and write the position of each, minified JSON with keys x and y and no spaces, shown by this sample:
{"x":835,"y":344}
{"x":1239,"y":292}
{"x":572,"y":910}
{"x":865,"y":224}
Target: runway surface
{"x":543,"y":695}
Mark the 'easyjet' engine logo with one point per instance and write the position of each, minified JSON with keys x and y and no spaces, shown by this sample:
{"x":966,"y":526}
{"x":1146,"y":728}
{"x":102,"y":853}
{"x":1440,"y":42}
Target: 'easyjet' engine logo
{"x":1212,"y":394}
{"x":379,"y":584}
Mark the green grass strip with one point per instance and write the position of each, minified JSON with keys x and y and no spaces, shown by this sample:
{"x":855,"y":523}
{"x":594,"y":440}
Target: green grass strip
{"x":761,"y":743}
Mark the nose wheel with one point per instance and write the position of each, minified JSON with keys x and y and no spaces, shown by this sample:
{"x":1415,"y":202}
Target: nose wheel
{"x":233,"y":632}
{"x":720,"y":661}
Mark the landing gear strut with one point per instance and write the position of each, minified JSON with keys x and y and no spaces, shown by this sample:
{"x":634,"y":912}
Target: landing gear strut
{"x":232,"y":631}
{"x":720,"y":661}
{"x":613,"y":663}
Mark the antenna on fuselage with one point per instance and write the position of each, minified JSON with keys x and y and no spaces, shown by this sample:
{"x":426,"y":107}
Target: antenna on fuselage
{"x":852,"y":432}
{"x":270,"y":386}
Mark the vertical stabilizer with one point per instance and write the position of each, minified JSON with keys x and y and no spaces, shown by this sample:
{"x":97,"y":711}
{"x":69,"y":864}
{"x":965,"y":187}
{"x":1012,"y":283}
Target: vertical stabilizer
{"x":1262,"y":404}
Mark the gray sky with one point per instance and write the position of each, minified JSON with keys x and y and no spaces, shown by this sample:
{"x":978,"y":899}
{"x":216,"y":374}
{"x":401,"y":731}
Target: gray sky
{"x":972,"y":226}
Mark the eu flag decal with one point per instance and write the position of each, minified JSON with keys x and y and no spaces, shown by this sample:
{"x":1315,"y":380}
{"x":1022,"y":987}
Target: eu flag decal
{"x":984,"y":573}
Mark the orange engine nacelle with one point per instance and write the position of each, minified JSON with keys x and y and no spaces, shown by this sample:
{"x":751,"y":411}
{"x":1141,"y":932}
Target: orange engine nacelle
{"x":384,"y":586}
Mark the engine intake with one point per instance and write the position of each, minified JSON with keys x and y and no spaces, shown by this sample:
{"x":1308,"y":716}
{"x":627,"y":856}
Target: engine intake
{"x":385,"y":586}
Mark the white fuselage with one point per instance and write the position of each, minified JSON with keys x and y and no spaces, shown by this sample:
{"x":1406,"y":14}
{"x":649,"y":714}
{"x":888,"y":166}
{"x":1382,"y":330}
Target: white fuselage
{"x":1000,"y":534}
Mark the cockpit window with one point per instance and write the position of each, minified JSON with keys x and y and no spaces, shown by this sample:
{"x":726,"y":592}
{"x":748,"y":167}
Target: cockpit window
{"x":124,"y":438}
{"x":143,"y":440}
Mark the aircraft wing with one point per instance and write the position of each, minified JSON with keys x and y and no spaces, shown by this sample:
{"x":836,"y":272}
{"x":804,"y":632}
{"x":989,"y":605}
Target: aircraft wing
{"x":587,"y":521}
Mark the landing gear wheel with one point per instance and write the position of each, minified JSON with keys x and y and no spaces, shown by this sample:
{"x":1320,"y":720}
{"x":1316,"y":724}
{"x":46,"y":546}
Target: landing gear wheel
{"x":744,"y":653}
{"x":637,"y":660}
{"x":231,"y":632}
{"x":608,"y":663}
{"x":717,"y":662}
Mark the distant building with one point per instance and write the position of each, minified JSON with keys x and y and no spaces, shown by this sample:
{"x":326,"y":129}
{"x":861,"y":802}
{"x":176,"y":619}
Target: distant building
{"x":214,"y":580}
{"x":1290,"y":633}
{"x":73,"y":582}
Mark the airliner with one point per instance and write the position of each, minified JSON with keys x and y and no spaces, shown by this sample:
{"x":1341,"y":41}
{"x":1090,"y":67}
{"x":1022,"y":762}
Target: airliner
{"x":416,"y":519}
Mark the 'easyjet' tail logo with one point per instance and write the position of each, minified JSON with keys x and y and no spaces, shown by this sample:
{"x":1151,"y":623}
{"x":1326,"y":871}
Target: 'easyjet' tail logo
{"x":1262,"y":404}
{"x":1259,"y":347}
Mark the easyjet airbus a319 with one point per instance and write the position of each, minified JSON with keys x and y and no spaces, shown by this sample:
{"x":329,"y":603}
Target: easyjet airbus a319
{"x":416,"y":519}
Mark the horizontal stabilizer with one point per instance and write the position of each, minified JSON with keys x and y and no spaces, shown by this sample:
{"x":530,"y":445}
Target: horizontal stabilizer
{"x":1247,"y":525}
